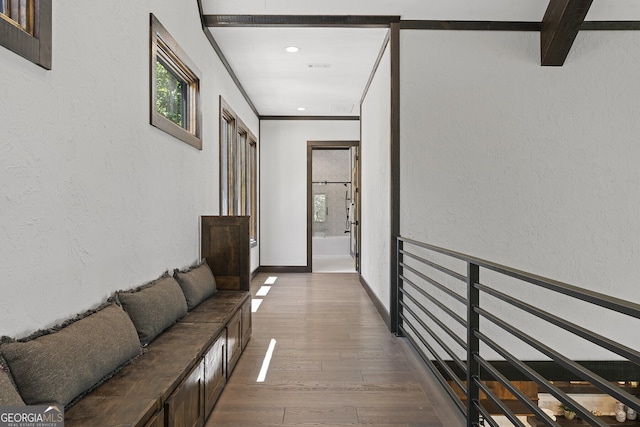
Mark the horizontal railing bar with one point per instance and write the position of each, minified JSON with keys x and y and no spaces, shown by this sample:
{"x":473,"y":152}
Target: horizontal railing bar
{"x":441,"y":362}
{"x":565,"y":362}
{"x":445,"y":270}
{"x":499,"y":403}
{"x":438,"y":322}
{"x":616,"y":304}
{"x":613,"y":346}
{"x":431,"y":298}
{"x":524,"y":399}
{"x":435,"y":283}
{"x":434,"y":370}
{"x":487,"y":417}
{"x":435,"y":336}
{"x":541,"y":381}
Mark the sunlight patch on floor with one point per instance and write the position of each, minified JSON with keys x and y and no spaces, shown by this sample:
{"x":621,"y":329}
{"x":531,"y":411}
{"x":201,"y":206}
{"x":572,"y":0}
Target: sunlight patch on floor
{"x":263,"y":291}
{"x":266,"y":362}
{"x":255,"y":304}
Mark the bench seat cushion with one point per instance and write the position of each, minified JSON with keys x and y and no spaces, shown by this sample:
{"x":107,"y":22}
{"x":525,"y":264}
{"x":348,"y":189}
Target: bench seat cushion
{"x":59,"y":365}
{"x":8,"y":394}
{"x":154,"y":307}
{"x":142,"y":387}
{"x":197,"y":284}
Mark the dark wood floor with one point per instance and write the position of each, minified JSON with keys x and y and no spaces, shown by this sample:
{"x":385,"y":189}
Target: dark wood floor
{"x":335,"y":363}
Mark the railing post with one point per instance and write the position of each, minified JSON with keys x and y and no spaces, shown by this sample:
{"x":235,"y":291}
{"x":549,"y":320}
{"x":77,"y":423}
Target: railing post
{"x":400,"y":247}
{"x":394,"y":316}
{"x":473,"y":344}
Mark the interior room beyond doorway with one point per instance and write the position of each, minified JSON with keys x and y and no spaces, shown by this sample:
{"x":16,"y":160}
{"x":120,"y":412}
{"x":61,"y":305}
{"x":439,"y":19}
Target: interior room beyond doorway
{"x":333,"y":213}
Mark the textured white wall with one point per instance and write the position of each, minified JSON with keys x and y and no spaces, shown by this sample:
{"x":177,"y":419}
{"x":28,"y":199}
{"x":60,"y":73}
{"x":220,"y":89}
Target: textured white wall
{"x":283,"y":184}
{"x":376,"y":175}
{"x":531,"y":167}
{"x":92,"y":198}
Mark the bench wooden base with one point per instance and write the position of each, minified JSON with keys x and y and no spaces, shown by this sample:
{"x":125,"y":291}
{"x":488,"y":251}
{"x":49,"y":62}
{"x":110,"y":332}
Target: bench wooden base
{"x":178,"y":380}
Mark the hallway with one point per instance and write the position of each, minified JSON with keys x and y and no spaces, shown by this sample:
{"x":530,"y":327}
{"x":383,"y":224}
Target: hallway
{"x":334,"y":363}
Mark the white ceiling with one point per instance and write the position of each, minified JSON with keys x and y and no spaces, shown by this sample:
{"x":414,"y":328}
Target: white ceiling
{"x":326,"y":77}
{"x":342,"y":59}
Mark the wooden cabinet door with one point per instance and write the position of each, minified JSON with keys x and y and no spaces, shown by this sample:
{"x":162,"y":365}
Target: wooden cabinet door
{"x":214,"y":375}
{"x":157,"y":420}
{"x":185,"y":407}
{"x":225,"y":245}
{"x":234,"y":341}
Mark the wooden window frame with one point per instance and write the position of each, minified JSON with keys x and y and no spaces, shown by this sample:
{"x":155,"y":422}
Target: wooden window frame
{"x":34,"y":42}
{"x":228,"y":131}
{"x":252,"y":191}
{"x":166,"y":50}
{"x":238,"y":169}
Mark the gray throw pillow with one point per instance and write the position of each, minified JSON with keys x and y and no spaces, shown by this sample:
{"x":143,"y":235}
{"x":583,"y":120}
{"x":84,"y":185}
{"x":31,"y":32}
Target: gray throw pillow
{"x":154,"y":307}
{"x":59,"y":366}
{"x":197,"y":284}
{"x":9,"y":396}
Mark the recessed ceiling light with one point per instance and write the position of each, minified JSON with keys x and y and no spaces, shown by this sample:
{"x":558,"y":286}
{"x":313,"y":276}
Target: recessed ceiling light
{"x":301,"y":108}
{"x":292,"y":49}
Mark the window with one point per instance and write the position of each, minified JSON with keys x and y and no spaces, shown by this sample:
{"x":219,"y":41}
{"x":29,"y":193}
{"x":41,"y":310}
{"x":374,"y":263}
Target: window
{"x":175,"y":88}
{"x":252,"y":192}
{"x":25,"y":28}
{"x":238,"y":169}
{"x":227,"y":138}
{"x":19,"y":12}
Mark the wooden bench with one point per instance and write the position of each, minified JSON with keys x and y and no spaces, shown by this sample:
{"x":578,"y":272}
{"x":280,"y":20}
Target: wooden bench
{"x":157,"y":355}
{"x":177,"y":381}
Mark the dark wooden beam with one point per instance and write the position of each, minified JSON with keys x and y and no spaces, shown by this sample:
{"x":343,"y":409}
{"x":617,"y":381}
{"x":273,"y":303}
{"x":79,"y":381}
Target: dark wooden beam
{"x":309,"y":117}
{"x":560,"y":26}
{"x":610,"y":26}
{"x":375,"y":21}
{"x":224,"y":61}
{"x":470,"y":25}
{"x":394,"y":149}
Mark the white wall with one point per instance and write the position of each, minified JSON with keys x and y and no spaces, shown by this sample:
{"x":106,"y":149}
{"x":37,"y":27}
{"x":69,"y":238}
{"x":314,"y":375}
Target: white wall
{"x":283,"y":184}
{"x":533,"y":167}
{"x":376,"y":186}
{"x":93,"y":199}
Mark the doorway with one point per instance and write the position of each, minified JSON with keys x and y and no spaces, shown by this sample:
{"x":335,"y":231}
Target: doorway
{"x":332,"y":206}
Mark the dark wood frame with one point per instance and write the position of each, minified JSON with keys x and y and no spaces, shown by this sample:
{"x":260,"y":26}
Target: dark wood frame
{"x":252,"y":163}
{"x":227,"y":116}
{"x":310,"y":118}
{"x":191,"y":134}
{"x":250,"y":184}
{"x":224,"y":60}
{"x":395,"y":171}
{"x":240,"y":167}
{"x":470,"y":25}
{"x":311,"y":145}
{"x":37,"y":47}
{"x":364,"y":21}
{"x":560,"y":27}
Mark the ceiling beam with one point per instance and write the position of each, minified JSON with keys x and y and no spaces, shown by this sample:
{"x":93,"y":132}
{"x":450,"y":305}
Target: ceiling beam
{"x":610,"y":26}
{"x":375,"y":21}
{"x":560,"y":26}
{"x":469,"y":25}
